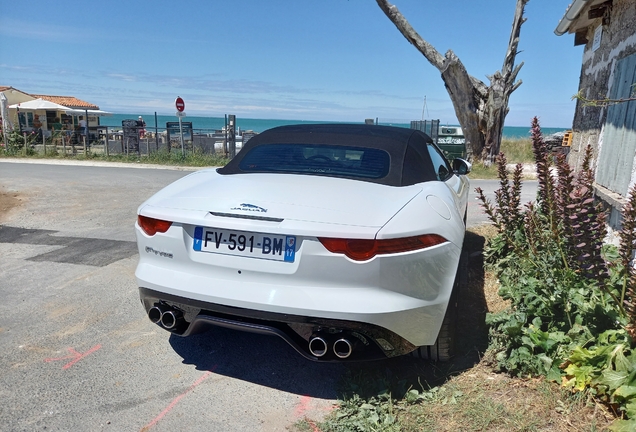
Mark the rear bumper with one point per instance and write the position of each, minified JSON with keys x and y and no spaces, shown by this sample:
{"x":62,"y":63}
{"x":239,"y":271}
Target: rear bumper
{"x":395,"y":303}
{"x":372,"y":342}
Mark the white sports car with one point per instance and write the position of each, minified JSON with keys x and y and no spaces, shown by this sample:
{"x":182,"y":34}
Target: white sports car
{"x":342,"y":239}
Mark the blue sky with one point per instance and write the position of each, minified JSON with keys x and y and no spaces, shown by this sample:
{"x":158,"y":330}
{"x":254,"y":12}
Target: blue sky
{"x":331,"y":60}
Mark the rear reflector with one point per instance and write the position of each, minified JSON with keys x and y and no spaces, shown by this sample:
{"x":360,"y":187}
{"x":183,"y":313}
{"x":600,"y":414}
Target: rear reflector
{"x":362,"y":250}
{"x":153,"y":226}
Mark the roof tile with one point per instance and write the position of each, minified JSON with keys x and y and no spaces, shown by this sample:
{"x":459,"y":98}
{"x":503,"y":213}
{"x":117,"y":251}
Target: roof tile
{"x":68,"y":101}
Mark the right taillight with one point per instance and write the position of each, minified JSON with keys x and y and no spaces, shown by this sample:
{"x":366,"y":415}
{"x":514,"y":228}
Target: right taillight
{"x":152,"y":226}
{"x":362,"y":250}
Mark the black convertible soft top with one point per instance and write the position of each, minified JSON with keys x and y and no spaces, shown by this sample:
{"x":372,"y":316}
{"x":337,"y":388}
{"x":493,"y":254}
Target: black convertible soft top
{"x":410,"y":162}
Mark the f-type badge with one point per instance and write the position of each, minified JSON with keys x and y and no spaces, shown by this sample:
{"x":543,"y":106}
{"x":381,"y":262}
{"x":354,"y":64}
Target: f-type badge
{"x":249,"y":208}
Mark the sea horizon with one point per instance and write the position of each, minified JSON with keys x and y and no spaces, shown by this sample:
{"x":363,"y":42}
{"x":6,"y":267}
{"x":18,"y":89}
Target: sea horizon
{"x":206,"y":124}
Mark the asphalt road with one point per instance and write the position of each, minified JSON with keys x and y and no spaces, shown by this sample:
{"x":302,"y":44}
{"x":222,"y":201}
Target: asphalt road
{"x":78,"y":352}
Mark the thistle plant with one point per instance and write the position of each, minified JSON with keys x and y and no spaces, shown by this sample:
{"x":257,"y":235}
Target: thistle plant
{"x":626,"y":253}
{"x":546,"y":190}
{"x":490,"y":210}
{"x":572,"y":298}
{"x":506,"y":212}
{"x":586,"y":175}
{"x":587,"y":223}
{"x":548,"y":254}
{"x":565,"y":187}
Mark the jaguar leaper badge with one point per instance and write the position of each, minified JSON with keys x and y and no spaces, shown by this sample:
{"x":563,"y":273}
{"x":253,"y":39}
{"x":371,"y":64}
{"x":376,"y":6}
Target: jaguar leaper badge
{"x":249,"y":208}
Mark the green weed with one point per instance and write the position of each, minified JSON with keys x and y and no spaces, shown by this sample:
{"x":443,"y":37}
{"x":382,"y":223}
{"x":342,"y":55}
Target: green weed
{"x":517,"y":150}
{"x":175,"y":158}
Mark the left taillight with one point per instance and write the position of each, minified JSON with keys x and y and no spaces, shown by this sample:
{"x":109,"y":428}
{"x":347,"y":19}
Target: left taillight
{"x":152,"y":226}
{"x":362,"y":250}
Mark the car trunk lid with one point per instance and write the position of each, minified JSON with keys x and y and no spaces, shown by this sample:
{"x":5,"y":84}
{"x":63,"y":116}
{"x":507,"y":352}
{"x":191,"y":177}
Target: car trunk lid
{"x":292,"y":198}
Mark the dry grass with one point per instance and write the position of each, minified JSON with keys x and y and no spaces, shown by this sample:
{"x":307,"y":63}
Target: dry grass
{"x":489,"y":401}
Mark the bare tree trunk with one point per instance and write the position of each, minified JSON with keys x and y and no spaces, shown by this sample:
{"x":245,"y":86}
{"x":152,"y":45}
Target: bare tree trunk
{"x":480,"y":109}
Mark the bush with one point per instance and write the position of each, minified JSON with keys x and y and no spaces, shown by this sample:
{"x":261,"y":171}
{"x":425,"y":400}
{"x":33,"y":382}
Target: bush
{"x":572,"y":316}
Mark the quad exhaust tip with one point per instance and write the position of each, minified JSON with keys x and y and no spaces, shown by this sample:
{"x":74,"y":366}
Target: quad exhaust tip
{"x":318,"y":346}
{"x":170,"y":318}
{"x":164,"y":315}
{"x":342,"y":348}
{"x":155,"y":313}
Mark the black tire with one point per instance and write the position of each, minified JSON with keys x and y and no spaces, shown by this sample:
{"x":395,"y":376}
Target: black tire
{"x":444,"y":347}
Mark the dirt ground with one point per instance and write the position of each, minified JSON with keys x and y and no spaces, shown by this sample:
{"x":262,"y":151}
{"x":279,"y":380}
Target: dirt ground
{"x":8,"y":202}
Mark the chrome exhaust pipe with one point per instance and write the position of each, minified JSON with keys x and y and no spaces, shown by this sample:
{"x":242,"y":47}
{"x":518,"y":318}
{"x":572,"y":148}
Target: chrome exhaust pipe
{"x":318,"y":346}
{"x":155,"y":313}
{"x":342,"y":348}
{"x":170,"y":318}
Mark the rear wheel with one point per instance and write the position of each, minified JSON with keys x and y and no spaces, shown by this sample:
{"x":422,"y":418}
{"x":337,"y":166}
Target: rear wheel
{"x":444,"y":347}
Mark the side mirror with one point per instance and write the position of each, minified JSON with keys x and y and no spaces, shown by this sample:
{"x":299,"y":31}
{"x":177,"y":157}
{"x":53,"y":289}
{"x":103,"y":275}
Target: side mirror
{"x":461,"y":166}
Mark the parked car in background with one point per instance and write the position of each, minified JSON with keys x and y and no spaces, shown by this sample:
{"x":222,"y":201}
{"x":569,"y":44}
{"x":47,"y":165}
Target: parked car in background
{"x":452,"y":142}
{"x":342,"y":239}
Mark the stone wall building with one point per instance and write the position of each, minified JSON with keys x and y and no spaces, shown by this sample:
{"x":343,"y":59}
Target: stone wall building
{"x":607,"y":28}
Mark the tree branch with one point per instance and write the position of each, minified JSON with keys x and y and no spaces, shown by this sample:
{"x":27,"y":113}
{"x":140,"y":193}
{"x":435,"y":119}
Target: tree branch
{"x":513,"y":43}
{"x":513,"y":75}
{"x":431,"y":54}
{"x":516,"y":86}
{"x":480,"y":109}
{"x":604,"y":102}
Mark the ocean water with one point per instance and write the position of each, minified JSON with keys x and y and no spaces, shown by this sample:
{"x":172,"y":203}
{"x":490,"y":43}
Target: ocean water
{"x":208,"y":124}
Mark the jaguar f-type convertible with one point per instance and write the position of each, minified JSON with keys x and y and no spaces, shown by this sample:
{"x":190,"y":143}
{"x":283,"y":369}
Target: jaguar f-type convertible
{"x":342,"y":239}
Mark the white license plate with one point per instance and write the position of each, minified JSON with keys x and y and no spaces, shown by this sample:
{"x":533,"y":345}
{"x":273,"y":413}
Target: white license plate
{"x":243,"y":243}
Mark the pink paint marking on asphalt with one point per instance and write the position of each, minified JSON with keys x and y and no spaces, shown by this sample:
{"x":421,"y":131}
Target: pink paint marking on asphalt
{"x":302,"y":406}
{"x":74,"y":356}
{"x":176,"y":400}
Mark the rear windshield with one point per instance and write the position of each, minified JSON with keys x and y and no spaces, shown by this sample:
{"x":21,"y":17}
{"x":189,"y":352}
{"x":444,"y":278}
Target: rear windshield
{"x":317,"y":159}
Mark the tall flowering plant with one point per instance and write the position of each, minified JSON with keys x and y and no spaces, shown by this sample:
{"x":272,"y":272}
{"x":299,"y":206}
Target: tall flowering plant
{"x":572,"y":314}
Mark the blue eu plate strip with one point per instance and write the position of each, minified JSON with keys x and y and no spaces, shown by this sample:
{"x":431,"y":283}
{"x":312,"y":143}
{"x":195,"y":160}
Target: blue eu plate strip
{"x":198,"y":236}
{"x":290,"y":248}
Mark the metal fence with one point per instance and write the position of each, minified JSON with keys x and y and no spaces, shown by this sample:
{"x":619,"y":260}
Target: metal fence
{"x":114,"y":141}
{"x":429,"y":127}
{"x":144,"y":141}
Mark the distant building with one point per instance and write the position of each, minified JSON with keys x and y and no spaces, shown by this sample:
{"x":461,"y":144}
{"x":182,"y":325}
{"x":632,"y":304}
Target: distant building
{"x":607,"y":28}
{"x":14,"y":95}
{"x":68,"y":101}
{"x":71,"y":102}
{"x":47,"y":117}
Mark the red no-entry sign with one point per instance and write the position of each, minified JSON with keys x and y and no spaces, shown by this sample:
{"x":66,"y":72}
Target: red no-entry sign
{"x":179,"y":103}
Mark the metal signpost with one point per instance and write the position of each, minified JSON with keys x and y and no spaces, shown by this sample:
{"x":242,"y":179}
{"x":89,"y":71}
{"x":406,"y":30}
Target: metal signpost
{"x":180,"y":105}
{"x":231,"y":134}
{"x":172,"y":129}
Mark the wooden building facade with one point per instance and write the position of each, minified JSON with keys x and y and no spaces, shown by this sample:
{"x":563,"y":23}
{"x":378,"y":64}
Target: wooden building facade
{"x":607,"y":28}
